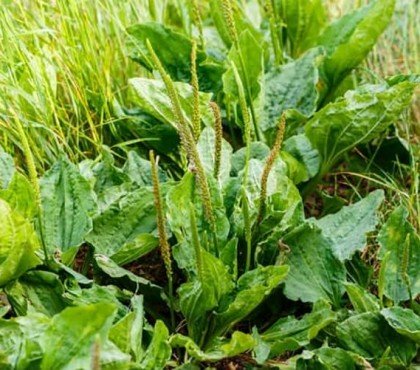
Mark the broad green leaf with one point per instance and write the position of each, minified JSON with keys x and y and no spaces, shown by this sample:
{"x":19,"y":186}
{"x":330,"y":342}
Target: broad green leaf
{"x":18,"y":244}
{"x":283,"y":208}
{"x":67,"y":205}
{"x":137,"y":283}
{"x":21,"y":196}
{"x":113,"y":194}
{"x":33,"y":327}
{"x":152,"y":98}
{"x":404,"y":321}
{"x":140,"y":170}
{"x":205,"y":147}
{"x":159,"y":350}
{"x":127,"y":333}
{"x":304,"y":20}
{"x":252,"y":288}
{"x":7,"y":168}
{"x":359,"y":271}
{"x":178,"y":200}
{"x":72,"y":333}
{"x":301,"y":148}
{"x":348,"y":228}
{"x":237,"y":344}
{"x":284,"y":212}
{"x":248,"y":60}
{"x":105,"y":175}
{"x":258,"y":150}
{"x":159,"y":136}
{"x":315,"y":273}
{"x":326,"y":358}
{"x":110,"y":357}
{"x":356,"y":119}
{"x":361,"y":300}
{"x":197,"y":298}
{"x":292,"y":86}
{"x":39,"y":291}
{"x":399,"y":238}
{"x":393,"y":80}
{"x":290,"y":334}
{"x":98,"y":294}
{"x":369,"y":335}
{"x":174,"y":51}
{"x":11,"y":341}
{"x":349,"y":40}
{"x":123,"y":221}
{"x":139,"y":247}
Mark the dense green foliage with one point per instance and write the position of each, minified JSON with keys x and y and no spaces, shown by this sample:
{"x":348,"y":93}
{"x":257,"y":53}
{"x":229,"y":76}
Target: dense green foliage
{"x":201,"y":250}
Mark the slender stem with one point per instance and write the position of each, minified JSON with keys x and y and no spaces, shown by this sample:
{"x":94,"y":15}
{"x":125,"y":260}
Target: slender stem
{"x":248,"y":90}
{"x":230,"y":21}
{"x":165,"y":248}
{"x":278,"y":28}
{"x":269,"y":165}
{"x":187,"y":139}
{"x":33,"y":176}
{"x":196,"y":243}
{"x":273,"y":32}
{"x":247,"y":227}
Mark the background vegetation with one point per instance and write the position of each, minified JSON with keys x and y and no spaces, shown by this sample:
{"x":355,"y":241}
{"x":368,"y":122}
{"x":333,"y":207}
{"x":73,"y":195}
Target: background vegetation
{"x":89,"y":222}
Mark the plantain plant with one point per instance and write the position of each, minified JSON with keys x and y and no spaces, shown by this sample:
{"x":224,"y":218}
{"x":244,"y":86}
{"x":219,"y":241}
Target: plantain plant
{"x":202,"y":253}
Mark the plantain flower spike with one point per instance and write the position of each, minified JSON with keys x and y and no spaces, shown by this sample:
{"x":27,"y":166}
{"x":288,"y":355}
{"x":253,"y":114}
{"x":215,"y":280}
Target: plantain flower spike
{"x":269,"y":165}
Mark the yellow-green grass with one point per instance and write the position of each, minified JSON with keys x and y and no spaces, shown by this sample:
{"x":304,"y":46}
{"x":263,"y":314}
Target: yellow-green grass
{"x":62,"y":64}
